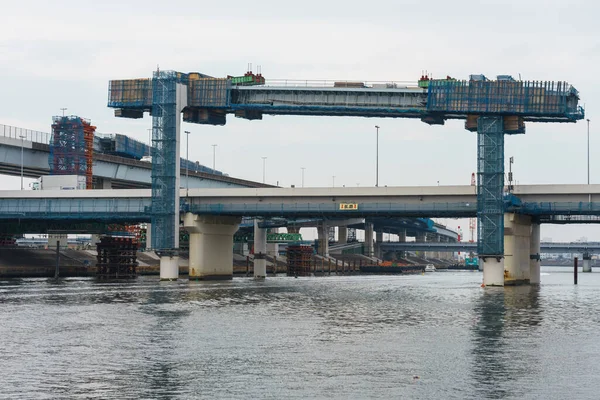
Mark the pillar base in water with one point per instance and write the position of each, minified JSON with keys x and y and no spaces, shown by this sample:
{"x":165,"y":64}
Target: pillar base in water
{"x":169,"y":268}
{"x":493,"y":271}
{"x":587,"y":265}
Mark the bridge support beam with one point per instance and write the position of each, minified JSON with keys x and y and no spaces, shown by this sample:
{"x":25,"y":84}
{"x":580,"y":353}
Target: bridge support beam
{"x":342,"y":234}
{"x":378,"y":241}
{"x":490,"y":198}
{"x":260,"y":251}
{"x":534,"y":255}
{"x":587,"y":262}
{"x":369,"y":249}
{"x":211,"y":245}
{"x":323,"y":237}
{"x":517,"y":249}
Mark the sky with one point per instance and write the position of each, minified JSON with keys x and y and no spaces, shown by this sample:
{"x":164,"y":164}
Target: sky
{"x":63,"y":53}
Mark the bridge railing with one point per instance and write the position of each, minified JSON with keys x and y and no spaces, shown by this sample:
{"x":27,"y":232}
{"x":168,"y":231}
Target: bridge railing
{"x":14,"y":132}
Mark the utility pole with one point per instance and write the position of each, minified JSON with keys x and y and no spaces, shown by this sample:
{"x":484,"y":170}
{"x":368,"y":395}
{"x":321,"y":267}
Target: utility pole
{"x":377,"y":158}
{"x":264,"y":167}
{"x":333,"y":181}
{"x":302,"y":168}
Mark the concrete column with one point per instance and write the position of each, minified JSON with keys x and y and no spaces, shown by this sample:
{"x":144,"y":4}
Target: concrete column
{"x":342,"y":234}
{"x":169,"y":268}
{"x":106,"y":183}
{"x":587,"y":263}
{"x":517,"y":248}
{"x":369,"y":249}
{"x":57,"y":237}
{"x":322,"y":231}
{"x":260,"y":251}
{"x":420,"y":238}
{"x":293,"y":229}
{"x":95,"y":239}
{"x":211,"y":245}
{"x":148,"y":236}
{"x":493,"y":271}
{"x":534,"y":255}
{"x":401,"y":239}
{"x":378,"y":241}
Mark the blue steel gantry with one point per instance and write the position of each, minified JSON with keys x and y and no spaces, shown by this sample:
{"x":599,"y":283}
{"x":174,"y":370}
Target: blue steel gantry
{"x":492,"y":108}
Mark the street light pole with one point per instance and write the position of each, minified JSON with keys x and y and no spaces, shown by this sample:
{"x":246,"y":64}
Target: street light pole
{"x":333,"y":181}
{"x":187,"y":163}
{"x":22,"y":138}
{"x":63,"y":110}
{"x":377,"y":158}
{"x":302,"y":168}
{"x":264,"y":166}
{"x":214,"y":156}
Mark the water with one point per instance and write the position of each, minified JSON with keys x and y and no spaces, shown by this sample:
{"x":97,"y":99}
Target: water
{"x":420,"y":337}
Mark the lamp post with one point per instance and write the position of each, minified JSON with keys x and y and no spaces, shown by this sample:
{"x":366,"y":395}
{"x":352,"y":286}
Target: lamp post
{"x":22,"y":138}
{"x":187,"y":166}
{"x":302,"y":168}
{"x":264,"y":167}
{"x":377,"y":158}
{"x":63,"y":109}
{"x":333,"y":181}
{"x":214,"y":156}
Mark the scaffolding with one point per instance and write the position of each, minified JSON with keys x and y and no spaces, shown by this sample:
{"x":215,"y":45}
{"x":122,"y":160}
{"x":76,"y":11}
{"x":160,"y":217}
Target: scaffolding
{"x":490,"y":186}
{"x":72,"y":147}
{"x":117,"y":257}
{"x":299,"y":260}
{"x":504,"y":96}
{"x":165,"y":161}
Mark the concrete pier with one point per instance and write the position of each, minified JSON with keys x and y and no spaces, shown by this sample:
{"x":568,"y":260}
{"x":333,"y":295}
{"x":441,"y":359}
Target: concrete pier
{"x":534,"y":255}
{"x":169,"y":268}
{"x":211,"y":245}
{"x":342,"y":234}
{"x":587,"y":263}
{"x":493,"y":271}
{"x":517,"y":249}
{"x":260,"y":251}
{"x":369,"y":245}
{"x":323,"y":238}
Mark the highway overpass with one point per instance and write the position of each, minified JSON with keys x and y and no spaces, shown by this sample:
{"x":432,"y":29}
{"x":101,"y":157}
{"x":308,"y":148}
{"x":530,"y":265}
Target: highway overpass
{"x":574,"y":247}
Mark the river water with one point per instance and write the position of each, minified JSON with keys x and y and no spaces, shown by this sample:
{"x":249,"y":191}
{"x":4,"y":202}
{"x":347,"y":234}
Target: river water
{"x":432,"y":336}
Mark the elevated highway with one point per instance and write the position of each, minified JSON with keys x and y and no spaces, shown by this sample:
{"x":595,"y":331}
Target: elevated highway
{"x":109,"y":171}
{"x":541,"y":201}
{"x":549,"y":247}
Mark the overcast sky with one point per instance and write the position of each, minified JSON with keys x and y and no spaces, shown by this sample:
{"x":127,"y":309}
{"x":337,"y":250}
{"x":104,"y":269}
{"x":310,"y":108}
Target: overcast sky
{"x":63,"y":53}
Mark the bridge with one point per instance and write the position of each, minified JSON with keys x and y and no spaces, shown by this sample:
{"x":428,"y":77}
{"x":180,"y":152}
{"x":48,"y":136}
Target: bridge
{"x":110,"y":171}
{"x":492,"y":108}
{"x":549,"y":247}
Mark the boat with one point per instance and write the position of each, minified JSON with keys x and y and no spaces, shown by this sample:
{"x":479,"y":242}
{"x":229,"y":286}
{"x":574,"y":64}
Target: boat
{"x":429,"y":268}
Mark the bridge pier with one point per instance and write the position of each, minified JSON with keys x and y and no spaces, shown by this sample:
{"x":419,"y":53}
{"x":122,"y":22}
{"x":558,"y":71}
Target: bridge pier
{"x":342,"y":234}
{"x":534,"y":256}
{"x":369,"y":249}
{"x":323,"y":237}
{"x":169,"y":267}
{"x":517,"y":249}
{"x":211,"y":245}
{"x":378,"y":241}
{"x":587,"y":262}
{"x":260,"y":251}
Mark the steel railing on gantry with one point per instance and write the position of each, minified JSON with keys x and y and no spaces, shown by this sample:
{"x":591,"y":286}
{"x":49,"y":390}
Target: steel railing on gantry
{"x":14,"y":132}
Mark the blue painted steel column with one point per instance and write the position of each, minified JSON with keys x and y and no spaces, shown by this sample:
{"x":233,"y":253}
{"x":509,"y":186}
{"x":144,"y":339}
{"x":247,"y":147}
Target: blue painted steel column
{"x":490,"y":186}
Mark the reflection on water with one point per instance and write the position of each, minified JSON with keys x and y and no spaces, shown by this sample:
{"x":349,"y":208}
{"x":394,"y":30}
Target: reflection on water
{"x":424,"y":336}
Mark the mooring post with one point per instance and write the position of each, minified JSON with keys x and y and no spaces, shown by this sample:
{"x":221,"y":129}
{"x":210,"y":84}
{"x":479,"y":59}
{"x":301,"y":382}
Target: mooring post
{"x":575,"y":271}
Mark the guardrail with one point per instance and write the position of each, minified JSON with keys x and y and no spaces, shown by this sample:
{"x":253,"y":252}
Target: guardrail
{"x":14,"y":132}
